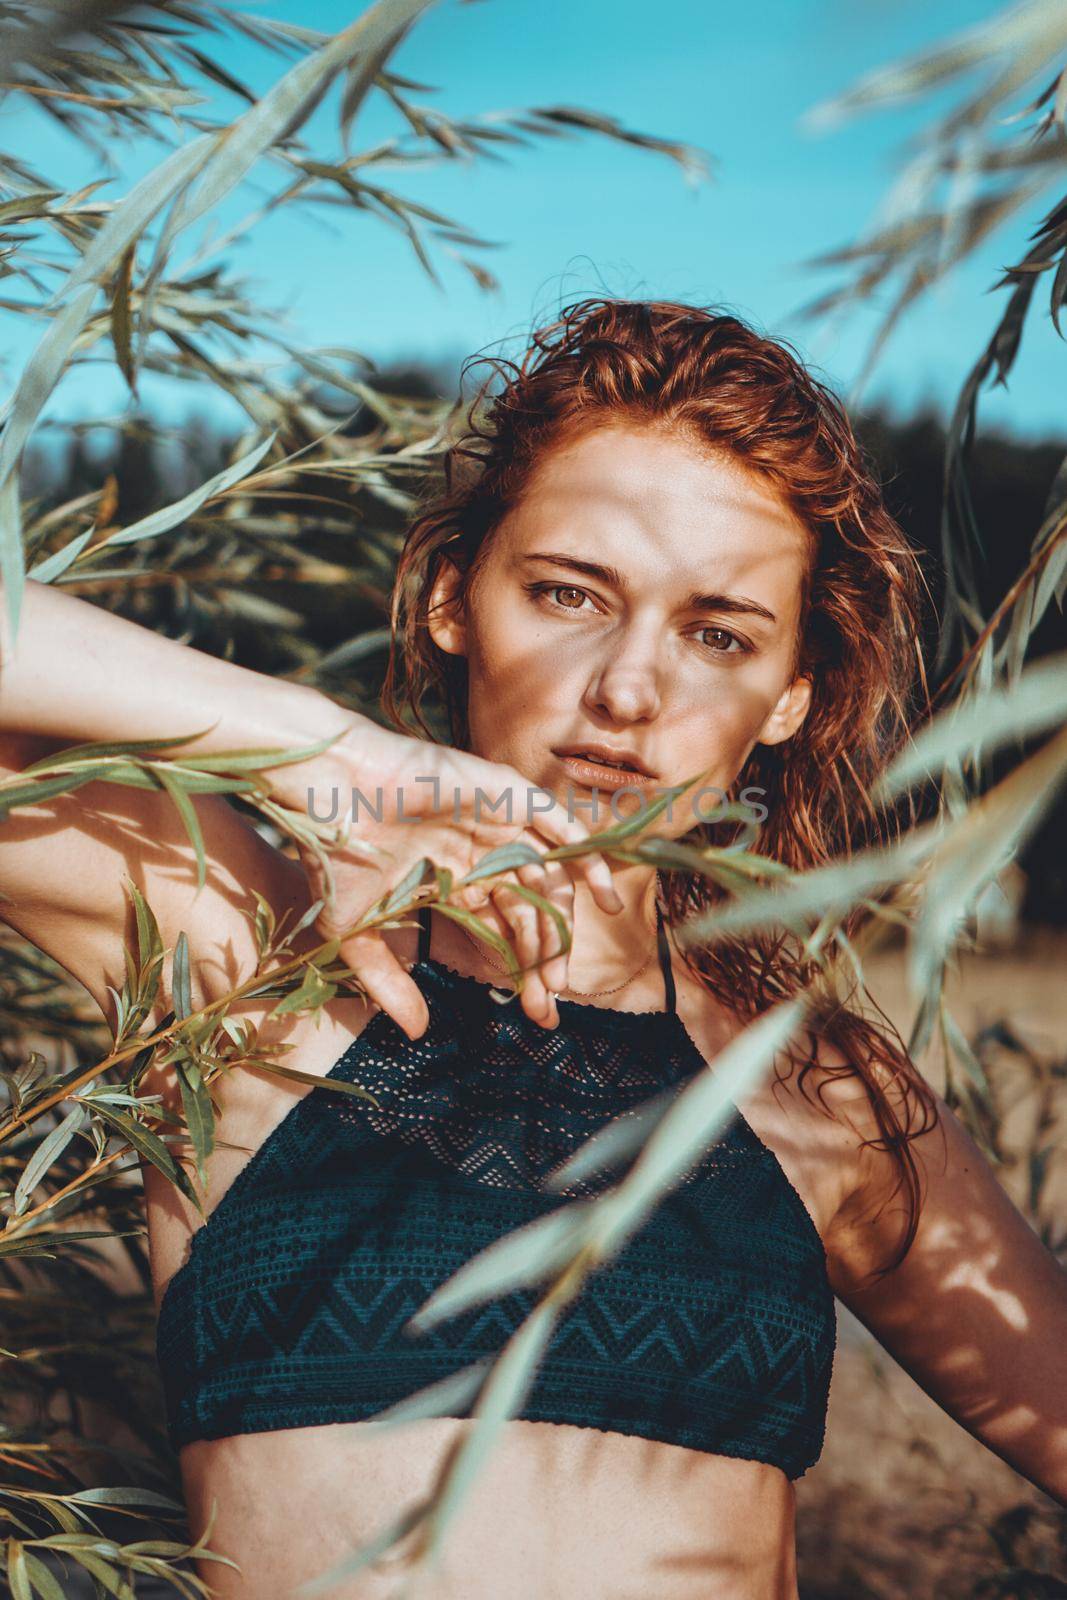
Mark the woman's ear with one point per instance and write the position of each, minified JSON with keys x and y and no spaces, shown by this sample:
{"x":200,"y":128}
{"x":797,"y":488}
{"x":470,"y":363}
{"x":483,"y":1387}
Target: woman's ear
{"x":788,"y":713}
{"x":446,"y":615}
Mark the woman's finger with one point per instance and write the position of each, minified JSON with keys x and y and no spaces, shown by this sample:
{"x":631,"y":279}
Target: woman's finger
{"x":386,"y":982}
{"x":522,"y":920}
{"x":594,"y":868}
{"x":554,"y":884}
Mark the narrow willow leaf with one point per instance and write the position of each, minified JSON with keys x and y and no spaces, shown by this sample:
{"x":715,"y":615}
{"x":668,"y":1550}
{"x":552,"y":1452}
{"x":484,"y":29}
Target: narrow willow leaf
{"x":611,"y":1145}
{"x":413,"y":880}
{"x":55,"y":565}
{"x":504,"y":859}
{"x":16,"y":1571}
{"x":187,"y":812}
{"x":152,"y":1148}
{"x":47,"y":1152}
{"x":340,"y":1085}
{"x":502,"y":1397}
{"x":181,"y":983}
{"x":448,"y":1397}
{"x":975,"y":849}
{"x":283,"y":109}
{"x":125,"y":1496}
{"x":314,"y":992}
{"x":487,"y":935}
{"x":131,"y":216}
{"x":695,"y":1120}
{"x":12,"y":573}
{"x":42,"y":1578}
{"x":39,"y":377}
{"x":112,"y":747}
{"x":1035,"y":702}
{"x":811,"y":894}
{"x":170,"y":516}
{"x":104,"y":1572}
{"x":149,"y":941}
{"x":961,"y":1047}
{"x":198,"y":1112}
{"x":35,"y":794}
{"x":253,"y":760}
{"x":121,"y":319}
{"x":33,"y":1244}
{"x":523,"y":1257}
{"x":367,"y":1554}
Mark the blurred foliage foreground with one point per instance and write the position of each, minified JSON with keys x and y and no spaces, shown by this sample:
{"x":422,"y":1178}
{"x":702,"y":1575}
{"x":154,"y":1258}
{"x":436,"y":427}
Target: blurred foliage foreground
{"x":280,"y":555}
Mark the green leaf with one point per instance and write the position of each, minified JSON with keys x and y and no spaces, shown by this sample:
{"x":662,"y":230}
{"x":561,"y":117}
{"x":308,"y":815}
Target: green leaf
{"x":174,"y":787}
{"x":502,"y":1397}
{"x":39,"y":377}
{"x":400,"y":894}
{"x":181,"y":981}
{"x":525,"y":1256}
{"x":46,"y":1154}
{"x":42,"y":1578}
{"x":152,"y":1148}
{"x":612,"y":1144}
{"x":199,"y":1114}
{"x":1035,"y":702}
{"x":694,"y":1121}
{"x":481,"y":930}
{"x":170,"y":516}
{"x":16,"y":1571}
{"x":341,"y":1085}
{"x":448,"y":1397}
{"x":55,"y":565}
{"x":149,"y":942}
{"x":504,"y":859}
{"x":126,"y":1496}
{"x":283,"y":109}
{"x":975,"y":849}
{"x":121,"y":319}
{"x":131,"y":216}
{"x":811,"y":894}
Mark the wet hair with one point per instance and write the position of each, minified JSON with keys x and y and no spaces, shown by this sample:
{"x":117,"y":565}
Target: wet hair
{"x":712,"y":380}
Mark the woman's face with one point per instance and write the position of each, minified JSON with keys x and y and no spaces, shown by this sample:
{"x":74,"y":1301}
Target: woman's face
{"x":644,"y":595}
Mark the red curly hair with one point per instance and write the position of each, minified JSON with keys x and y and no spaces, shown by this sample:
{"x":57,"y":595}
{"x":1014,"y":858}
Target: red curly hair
{"x":710,"y":377}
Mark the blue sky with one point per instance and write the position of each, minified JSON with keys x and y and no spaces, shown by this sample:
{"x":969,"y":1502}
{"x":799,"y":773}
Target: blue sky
{"x":586,"y":215}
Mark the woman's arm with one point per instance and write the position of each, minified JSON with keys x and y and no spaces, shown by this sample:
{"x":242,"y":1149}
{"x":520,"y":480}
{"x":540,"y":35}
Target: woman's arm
{"x":977,"y":1310}
{"x":78,"y":673}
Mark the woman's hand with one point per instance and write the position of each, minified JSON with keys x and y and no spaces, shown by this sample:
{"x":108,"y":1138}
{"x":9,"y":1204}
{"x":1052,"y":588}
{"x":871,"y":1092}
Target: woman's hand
{"x":452,"y":807}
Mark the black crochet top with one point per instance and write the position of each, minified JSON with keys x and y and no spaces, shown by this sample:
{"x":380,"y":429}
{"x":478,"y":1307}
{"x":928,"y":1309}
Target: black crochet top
{"x":713,"y":1328}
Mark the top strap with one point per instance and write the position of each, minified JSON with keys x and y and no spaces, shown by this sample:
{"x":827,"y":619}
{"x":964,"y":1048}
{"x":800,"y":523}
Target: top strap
{"x":423,"y":915}
{"x":662,"y":945}
{"x":664,"y":948}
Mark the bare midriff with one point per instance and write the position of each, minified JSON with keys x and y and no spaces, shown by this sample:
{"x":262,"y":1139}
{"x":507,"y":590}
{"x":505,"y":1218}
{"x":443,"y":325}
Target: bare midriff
{"x":557,"y":1512}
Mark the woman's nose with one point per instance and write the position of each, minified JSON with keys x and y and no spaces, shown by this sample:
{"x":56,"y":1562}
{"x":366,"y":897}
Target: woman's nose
{"x":626,"y":685}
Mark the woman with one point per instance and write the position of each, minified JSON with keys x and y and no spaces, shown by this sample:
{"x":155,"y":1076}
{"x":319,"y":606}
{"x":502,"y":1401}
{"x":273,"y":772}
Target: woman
{"x":662,"y":553}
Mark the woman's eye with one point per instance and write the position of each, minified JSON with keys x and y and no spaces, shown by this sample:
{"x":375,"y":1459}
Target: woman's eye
{"x":568,"y":590}
{"x":722,"y":641}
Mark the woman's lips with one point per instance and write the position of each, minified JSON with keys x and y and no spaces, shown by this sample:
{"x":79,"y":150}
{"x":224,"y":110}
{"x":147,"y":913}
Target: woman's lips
{"x":595,"y":773}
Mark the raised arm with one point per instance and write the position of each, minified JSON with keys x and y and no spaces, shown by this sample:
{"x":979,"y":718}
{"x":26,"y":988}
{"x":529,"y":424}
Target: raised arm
{"x":78,"y":674}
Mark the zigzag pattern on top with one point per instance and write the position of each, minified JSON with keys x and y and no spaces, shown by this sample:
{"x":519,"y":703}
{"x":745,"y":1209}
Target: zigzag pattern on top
{"x":714,"y":1327}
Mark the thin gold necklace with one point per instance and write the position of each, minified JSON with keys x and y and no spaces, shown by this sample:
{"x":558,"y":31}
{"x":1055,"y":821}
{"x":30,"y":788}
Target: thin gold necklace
{"x":586,"y":994}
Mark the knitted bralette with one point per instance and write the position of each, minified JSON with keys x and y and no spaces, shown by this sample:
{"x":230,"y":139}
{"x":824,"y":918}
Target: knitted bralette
{"x":713,"y":1327}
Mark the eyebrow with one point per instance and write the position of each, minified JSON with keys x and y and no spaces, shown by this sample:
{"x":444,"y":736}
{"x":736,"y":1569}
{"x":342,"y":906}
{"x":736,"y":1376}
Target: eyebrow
{"x":611,"y":575}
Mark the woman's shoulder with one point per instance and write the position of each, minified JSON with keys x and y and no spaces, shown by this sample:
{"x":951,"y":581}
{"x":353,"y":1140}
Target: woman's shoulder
{"x":823,"y":1117}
